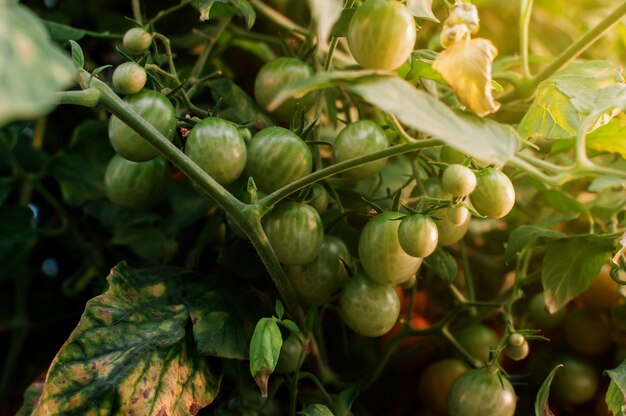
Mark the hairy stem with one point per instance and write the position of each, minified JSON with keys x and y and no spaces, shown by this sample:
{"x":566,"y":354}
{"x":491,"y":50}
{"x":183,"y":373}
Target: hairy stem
{"x":526,"y":7}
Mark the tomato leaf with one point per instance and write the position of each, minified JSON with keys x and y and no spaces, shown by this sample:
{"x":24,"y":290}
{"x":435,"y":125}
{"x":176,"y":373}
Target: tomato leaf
{"x":422,"y":9}
{"x":442,"y":264}
{"x":130,"y":353}
{"x":616,"y":394}
{"x":524,"y":235}
{"x":19,"y":237}
{"x":31,"y":397}
{"x":224,"y":314}
{"x":63,"y":33}
{"x":570,"y":265}
{"x":238,"y":106}
{"x":563,"y":100}
{"x":316,"y":410}
{"x":37,"y":70}
{"x":214,"y":9}
{"x":542,"y":407}
{"x":324,"y":13}
{"x":346,"y":399}
{"x":264,"y":352}
{"x":150,"y":243}
{"x":340,"y":28}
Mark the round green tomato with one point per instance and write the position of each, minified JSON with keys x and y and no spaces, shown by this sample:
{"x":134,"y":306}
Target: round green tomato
{"x":157,"y":110}
{"x":369,"y":308}
{"x":380,"y":252}
{"x":494,"y":195}
{"x":295,"y":231}
{"x":587,"y":333}
{"x":319,"y":198}
{"x":449,"y":232}
{"x":458,"y":180}
{"x":478,"y":340}
{"x":277,"y":157}
{"x":137,"y":40}
{"x":314,"y":282}
{"x":436,"y":380}
{"x":450,"y":155}
{"x":538,"y":315}
{"x":129,"y":78}
{"x":575,"y":383}
{"x":136,"y":185}
{"x":381,"y":34}
{"x":359,"y":139}
{"x":290,"y":353}
{"x":217,"y":147}
{"x":418,"y":235}
{"x":481,"y":392}
{"x":517,"y":352}
{"x":276,"y":75}
{"x":458,"y":215}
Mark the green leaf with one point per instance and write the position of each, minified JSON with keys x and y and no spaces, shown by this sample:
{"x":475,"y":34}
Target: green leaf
{"x":19,"y":237}
{"x":280,"y":309}
{"x":484,"y":139}
{"x":609,"y":138}
{"x":423,"y":69}
{"x":264,"y":351}
{"x":562,"y":202}
{"x":62,"y":33}
{"x":130,"y":354}
{"x":80,"y":168}
{"x":442,"y":264}
{"x":347,"y":397}
{"x":524,"y":235}
{"x":245,"y":10}
{"x":570,"y":265}
{"x":111,"y":216}
{"x":31,"y":397}
{"x":224,"y":314}
{"x":616,"y":393}
{"x":422,"y":9}
{"x":316,"y":410}
{"x":340,"y":28}
{"x":150,"y":243}
{"x":77,"y":55}
{"x":37,"y":70}
{"x":237,"y":106}
{"x":213,"y":9}
{"x":563,"y":100}
{"x":290,"y":325}
{"x":542,"y":407}
{"x":324,"y":13}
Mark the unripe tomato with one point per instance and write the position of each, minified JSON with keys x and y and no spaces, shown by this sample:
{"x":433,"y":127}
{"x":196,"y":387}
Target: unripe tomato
{"x":157,"y":110}
{"x":319,"y":198}
{"x":450,"y":155}
{"x":380,"y":252}
{"x":478,"y":340}
{"x":517,"y":352}
{"x":315,"y":281}
{"x":217,"y":147}
{"x":575,"y":383}
{"x":381,"y":34}
{"x":359,"y":139}
{"x":417,"y":235}
{"x":481,"y":392}
{"x":458,"y":215}
{"x":129,"y":78}
{"x":295,"y":231}
{"x":290,"y":353}
{"x":276,"y":75}
{"x":277,"y":157}
{"x":494,"y":195}
{"x":538,"y":315}
{"x":369,"y":308}
{"x":449,"y":233}
{"x":137,"y":40}
{"x":602,"y":294}
{"x":136,"y":185}
{"x":587,"y":333}
{"x":436,"y":380}
{"x":458,"y":180}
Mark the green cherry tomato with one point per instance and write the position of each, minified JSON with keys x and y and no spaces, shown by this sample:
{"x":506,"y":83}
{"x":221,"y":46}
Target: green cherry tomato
{"x":359,"y":139}
{"x":137,"y":40}
{"x":481,"y":392}
{"x":577,"y":382}
{"x":458,"y":180}
{"x":418,"y":235}
{"x":315,"y":281}
{"x":276,"y":75}
{"x":494,"y":195}
{"x":319,"y":198}
{"x":277,"y":157}
{"x":458,"y":215}
{"x":381,"y":34}
{"x":449,"y":233}
{"x":129,"y":78}
{"x":157,"y":110}
{"x":587,"y":333}
{"x":290,"y":353}
{"x":380,"y":252}
{"x":436,"y":380}
{"x":217,"y":147}
{"x":478,"y":340}
{"x":368,"y":307}
{"x":450,"y":155}
{"x":517,"y":352}
{"x":295,"y":231}
{"x":136,"y":185}
{"x":538,"y":315}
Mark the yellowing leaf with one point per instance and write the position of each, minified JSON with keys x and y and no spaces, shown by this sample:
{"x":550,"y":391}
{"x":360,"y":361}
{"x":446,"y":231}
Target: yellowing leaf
{"x":466,"y":67}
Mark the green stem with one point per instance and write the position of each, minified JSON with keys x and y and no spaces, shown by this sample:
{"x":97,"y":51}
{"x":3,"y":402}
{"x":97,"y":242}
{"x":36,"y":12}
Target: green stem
{"x":86,"y":98}
{"x":161,"y":14}
{"x":526,"y":7}
{"x":204,"y":56}
{"x":137,"y":11}
{"x":267,"y":202}
{"x":278,"y":18}
{"x":456,"y":344}
{"x":578,"y":47}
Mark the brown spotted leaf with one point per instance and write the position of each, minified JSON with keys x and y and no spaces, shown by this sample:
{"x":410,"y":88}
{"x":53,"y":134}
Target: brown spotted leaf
{"x":130,"y":354}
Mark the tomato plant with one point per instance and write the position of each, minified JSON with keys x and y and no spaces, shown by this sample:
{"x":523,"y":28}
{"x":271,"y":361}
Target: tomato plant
{"x":303,"y":205}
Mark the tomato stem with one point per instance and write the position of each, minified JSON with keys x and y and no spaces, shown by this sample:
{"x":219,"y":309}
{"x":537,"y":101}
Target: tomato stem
{"x":526,"y":7}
